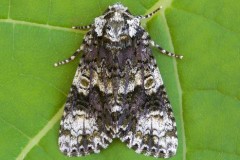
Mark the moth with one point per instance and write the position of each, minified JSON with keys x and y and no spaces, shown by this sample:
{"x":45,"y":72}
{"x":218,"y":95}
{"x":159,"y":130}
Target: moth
{"x":117,"y":91}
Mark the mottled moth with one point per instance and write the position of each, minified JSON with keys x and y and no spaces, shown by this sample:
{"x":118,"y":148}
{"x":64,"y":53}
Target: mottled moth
{"x":117,"y":91}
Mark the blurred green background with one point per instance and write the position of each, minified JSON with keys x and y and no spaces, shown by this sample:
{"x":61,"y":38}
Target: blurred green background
{"x":204,"y":87}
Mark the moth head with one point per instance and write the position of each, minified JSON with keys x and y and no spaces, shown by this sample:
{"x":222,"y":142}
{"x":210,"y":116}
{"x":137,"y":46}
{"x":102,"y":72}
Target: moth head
{"x":117,"y":24}
{"x":117,"y":7}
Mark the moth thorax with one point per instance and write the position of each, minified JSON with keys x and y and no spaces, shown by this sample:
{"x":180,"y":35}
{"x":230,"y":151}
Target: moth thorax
{"x":117,"y":16}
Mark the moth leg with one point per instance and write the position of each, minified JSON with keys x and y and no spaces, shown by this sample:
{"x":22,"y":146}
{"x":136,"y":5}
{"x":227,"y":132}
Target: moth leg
{"x":163,"y":51}
{"x":150,"y":14}
{"x":75,"y":54}
{"x":82,"y":27}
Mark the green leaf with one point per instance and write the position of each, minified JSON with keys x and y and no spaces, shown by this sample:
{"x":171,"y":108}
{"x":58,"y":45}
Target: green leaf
{"x":204,"y":87}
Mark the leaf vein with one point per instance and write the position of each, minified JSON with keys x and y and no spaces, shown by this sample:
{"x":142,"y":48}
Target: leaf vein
{"x":166,"y":4}
{"x":208,"y":19}
{"x":47,"y":26}
{"x":35,"y":140}
{"x":213,"y":150}
{"x":14,"y":127}
{"x":9,"y":9}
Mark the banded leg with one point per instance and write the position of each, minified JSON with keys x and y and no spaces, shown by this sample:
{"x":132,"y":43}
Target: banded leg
{"x":163,"y":51}
{"x":70,"y":58}
{"x":150,"y":14}
{"x":82,"y":27}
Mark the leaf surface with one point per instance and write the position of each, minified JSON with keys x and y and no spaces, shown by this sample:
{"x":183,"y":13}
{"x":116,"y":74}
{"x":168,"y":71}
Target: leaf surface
{"x":204,"y":87}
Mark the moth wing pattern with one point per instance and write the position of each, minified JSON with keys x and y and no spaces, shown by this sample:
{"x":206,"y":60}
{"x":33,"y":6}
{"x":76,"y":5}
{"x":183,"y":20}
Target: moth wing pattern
{"x":149,"y":126}
{"x":117,"y":91}
{"x":152,"y":128}
{"x":82,"y":129}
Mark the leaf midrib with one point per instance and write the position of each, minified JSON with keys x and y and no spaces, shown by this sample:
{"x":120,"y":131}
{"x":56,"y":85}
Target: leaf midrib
{"x":167,"y":4}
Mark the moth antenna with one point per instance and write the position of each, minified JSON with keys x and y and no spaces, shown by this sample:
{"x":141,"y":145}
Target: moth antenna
{"x":75,"y":54}
{"x":82,"y":27}
{"x":150,"y":14}
{"x":163,"y":51}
